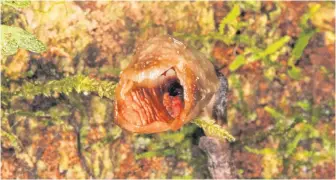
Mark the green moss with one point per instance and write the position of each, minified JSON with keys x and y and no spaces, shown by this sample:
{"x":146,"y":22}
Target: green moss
{"x":78,"y":83}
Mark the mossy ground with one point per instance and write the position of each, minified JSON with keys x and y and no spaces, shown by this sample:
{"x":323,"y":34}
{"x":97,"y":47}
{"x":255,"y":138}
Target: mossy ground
{"x":279,"y":58}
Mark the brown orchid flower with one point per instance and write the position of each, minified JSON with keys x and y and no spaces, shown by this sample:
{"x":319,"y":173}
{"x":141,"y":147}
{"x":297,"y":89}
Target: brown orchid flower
{"x":166,"y":85}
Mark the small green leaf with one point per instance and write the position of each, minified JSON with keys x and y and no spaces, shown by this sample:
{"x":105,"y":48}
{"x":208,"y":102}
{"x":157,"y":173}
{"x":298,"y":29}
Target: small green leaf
{"x":294,"y":73}
{"x":305,"y":105}
{"x":275,"y":46}
{"x":8,"y":47}
{"x":294,"y":143}
{"x":233,"y":14}
{"x":173,"y":137}
{"x":14,"y":37}
{"x":300,"y":45}
{"x":14,"y":141}
{"x":16,"y":3}
{"x":263,"y":151}
{"x":304,"y":19}
{"x":275,"y":114}
{"x":237,"y":63}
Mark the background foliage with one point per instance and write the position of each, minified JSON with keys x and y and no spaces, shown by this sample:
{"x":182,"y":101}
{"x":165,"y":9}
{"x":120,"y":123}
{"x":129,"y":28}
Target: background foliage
{"x":277,"y":56}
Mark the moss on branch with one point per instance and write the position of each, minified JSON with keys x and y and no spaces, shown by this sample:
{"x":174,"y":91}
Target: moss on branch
{"x":212,"y":129}
{"x":78,"y":83}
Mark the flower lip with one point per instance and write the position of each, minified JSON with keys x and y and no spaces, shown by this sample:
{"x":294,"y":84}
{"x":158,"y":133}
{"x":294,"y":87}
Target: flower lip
{"x":148,"y":102}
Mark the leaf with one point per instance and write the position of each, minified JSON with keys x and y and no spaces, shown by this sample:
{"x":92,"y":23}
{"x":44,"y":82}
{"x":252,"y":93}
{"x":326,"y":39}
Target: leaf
{"x":16,"y":3}
{"x":305,"y":105}
{"x":294,"y":143}
{"x":270,"y":49}
{"x":233,"y":14}
{"x":237,"y":63}
{"x":173,"y":137}
{"x":275,"y":114}
{"x":14,"y":140}
{"x":8,"y":47}
{"x":294,"y":72}
{"x":212,"y":129}
{"x":304,"y":19}
{"x":300,"y":45}
{"x":275,"y":46}
{"x":264,"y":151}
{"x":13,"y":38}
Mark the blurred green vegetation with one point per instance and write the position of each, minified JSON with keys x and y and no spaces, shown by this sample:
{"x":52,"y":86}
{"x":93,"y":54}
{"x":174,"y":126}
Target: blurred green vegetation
{"x":278,"y":58}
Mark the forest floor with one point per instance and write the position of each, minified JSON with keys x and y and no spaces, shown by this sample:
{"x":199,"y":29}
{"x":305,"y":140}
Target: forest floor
{"x":279,"y":58}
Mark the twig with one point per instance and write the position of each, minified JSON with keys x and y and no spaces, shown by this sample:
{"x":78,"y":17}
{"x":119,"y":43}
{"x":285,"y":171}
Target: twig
{"x":219,"y":158}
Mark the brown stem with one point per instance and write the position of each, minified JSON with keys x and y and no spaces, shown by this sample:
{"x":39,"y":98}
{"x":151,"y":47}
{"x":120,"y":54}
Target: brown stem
{"x":219,"y":158}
